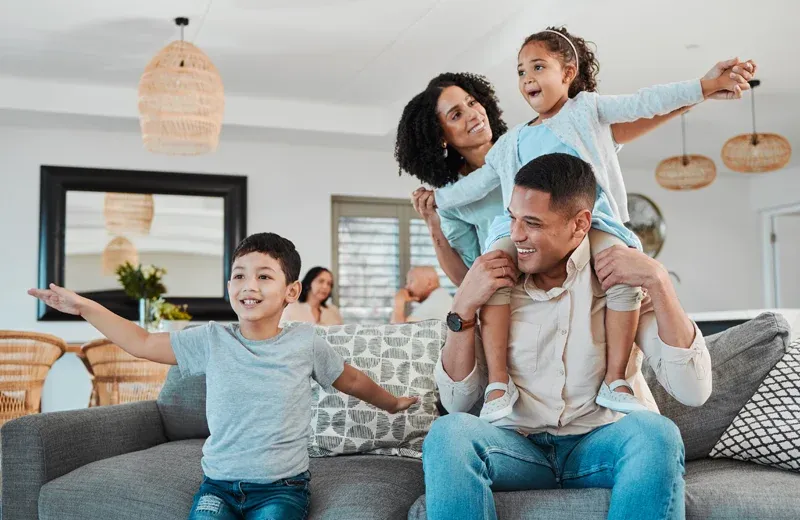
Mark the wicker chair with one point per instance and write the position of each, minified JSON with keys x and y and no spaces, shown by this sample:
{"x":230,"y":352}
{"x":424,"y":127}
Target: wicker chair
{"x":25,"y":360}
{"x":119,"y":377}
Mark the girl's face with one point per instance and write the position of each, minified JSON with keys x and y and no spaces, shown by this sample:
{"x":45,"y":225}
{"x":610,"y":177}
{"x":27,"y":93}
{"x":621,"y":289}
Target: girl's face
{"x":463,"y":119}
{"x":322,"y":285}
{"x":543,"y":81}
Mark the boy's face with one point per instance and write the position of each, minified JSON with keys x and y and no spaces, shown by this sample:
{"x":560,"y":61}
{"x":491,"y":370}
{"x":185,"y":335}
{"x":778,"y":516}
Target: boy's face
{"x":258,"y":288}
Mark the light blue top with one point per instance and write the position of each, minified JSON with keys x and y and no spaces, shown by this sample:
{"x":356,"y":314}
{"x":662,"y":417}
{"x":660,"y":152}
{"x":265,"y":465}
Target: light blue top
{"x":468,"y":227}
{"x":535,"y":141}
{"x":583,"y":124}
{"x":258,"y":396}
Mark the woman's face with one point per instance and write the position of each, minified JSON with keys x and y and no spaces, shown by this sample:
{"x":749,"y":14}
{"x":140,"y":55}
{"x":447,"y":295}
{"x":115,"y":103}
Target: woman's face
{"x":321,"y":286}
{"x":463,"y":119}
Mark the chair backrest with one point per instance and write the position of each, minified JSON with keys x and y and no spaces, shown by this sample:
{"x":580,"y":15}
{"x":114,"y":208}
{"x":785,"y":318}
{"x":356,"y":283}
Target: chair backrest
{"x":120,"y":377}
{"x":25,"y":359}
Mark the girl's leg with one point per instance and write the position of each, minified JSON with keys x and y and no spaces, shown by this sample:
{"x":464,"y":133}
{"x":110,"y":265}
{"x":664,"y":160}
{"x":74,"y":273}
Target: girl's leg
{"x":621,"y":322}
{"x":495,"y":320}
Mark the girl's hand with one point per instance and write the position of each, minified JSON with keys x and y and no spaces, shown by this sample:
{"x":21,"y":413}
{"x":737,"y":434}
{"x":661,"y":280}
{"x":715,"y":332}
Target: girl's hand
{"x":728,"y":79}
{"x":60,"y":299}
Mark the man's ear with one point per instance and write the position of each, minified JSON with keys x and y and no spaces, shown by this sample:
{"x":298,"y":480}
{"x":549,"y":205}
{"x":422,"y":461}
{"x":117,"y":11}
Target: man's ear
{"x":293,"y":292}
{"x":583,"y":223}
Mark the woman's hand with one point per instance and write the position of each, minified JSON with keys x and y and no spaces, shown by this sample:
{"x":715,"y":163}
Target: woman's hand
{"x":424,"y":201}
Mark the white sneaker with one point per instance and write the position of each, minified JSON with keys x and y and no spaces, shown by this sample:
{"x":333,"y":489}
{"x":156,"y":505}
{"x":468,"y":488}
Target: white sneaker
{"x":498,"y":408}
{"x":618,"y":401}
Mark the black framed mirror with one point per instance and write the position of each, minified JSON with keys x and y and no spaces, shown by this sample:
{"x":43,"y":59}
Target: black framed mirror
{"x":195,"y":222}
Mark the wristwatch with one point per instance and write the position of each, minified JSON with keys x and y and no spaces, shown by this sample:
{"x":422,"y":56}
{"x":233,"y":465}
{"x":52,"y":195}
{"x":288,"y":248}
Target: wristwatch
{"x":456,"y":323}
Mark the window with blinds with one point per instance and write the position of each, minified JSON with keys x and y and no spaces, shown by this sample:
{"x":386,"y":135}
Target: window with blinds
{"x":375,"y":242}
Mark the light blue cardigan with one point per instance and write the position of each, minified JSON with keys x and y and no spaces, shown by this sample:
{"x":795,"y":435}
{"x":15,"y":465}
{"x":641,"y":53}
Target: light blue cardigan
{"x":583,"y":124}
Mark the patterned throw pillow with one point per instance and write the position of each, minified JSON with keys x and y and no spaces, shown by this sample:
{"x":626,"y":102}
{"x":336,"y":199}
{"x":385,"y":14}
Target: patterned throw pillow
{"x":400,"y":358}
{"x":767,"y":429}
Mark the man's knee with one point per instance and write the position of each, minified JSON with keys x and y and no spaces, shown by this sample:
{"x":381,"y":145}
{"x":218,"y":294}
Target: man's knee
{"x":449,"y":434}
{"x":655,"y":434}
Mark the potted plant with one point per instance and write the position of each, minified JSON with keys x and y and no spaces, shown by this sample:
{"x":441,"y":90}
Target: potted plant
{"x":169,"y":317}
{"x":143,"y":284}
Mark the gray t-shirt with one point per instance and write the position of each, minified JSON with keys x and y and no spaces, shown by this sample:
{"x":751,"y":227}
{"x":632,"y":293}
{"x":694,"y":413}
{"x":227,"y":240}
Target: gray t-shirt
{"x":258,"y":396}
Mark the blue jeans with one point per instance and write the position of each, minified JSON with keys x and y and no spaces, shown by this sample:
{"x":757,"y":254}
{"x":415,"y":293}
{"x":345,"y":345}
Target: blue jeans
{"x":285,"y":499}
{"x":639,"y":457}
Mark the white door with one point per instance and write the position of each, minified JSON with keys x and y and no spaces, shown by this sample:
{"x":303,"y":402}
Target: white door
{"x":787,"y":260}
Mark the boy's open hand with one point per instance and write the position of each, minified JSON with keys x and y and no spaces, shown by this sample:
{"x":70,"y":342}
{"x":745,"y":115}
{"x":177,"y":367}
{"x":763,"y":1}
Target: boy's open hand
{"x":59,"y":298}
{"x":404,"y":403}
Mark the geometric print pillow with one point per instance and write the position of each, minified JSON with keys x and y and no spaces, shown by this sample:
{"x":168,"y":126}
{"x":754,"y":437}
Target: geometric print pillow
{"x":767,"y":430}
{"x":400,"y":358}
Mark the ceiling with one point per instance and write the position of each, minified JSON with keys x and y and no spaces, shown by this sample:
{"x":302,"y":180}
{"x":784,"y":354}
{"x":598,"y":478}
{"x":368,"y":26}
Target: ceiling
{"x":347,"y":67}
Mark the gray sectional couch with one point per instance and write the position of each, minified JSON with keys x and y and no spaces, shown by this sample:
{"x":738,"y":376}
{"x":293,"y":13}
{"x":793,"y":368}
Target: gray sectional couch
{"x":142,"y":461}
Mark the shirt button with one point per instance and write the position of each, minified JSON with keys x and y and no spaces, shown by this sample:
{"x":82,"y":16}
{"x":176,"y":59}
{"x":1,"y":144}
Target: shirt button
{"x":561,"y":371}
{"x":563,"y":332}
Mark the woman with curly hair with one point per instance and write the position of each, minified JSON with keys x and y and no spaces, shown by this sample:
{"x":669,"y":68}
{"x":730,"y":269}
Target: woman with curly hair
{"x":555,"y":67}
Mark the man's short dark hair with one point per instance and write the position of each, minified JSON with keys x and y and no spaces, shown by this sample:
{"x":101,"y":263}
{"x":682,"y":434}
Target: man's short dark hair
{"x":277,"y":247}
{"x":568,"y":179}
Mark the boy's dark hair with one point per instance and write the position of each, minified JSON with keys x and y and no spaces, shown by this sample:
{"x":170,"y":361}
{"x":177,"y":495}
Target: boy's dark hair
{"x":277,"y":247}
{"x":310,"y":276}
{"x":588,"y":66}
{"x":568,"y":179}
{"x":418,"y":149}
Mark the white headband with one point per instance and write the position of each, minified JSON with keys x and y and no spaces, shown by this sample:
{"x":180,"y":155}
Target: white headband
{"x":574,"y":50}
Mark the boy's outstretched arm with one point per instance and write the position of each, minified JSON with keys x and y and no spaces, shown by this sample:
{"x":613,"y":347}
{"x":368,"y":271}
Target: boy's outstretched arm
{"x":129,"y":336}
{"x":356,"y":383}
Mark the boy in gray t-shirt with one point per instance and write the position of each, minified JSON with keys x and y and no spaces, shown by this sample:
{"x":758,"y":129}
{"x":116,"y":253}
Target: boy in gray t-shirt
{"x":258,"y":382}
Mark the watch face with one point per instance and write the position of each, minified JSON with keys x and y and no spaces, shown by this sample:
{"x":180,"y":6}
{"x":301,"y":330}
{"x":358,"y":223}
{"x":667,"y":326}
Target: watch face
{"x":454,"y":322}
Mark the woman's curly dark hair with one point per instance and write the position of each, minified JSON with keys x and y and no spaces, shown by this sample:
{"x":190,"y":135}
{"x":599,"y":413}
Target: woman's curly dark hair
{"x":418,"y":149}
{"x":588,"y":66}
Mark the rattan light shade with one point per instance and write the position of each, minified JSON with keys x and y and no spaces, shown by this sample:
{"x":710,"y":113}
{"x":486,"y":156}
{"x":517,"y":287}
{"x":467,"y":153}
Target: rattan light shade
{"x":181,"y":101}
{"x":116,"y":253}
{"x":690,"y":172}
{"x":756,"y":153}
{"x":686,"y":172}
{"x":128,"y":213}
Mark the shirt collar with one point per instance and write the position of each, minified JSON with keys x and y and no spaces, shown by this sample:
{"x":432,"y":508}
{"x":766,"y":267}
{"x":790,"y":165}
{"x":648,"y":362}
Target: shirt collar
{"x":576,"y":263}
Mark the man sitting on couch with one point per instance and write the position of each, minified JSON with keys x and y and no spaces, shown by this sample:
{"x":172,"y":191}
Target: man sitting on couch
{"x":557,"y":436}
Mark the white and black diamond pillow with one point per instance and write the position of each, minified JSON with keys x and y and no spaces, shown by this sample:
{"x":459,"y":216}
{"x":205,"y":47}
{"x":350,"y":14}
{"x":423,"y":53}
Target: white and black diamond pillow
{"x":400,"y":358}
{"x":767,"y":430}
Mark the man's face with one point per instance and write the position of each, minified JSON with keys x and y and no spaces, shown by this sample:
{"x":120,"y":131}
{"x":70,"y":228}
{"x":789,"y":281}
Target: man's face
{"x":544,"y":238}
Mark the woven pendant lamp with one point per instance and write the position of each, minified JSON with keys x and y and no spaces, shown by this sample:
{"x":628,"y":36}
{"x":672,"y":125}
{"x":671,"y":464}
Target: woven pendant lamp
{"x":128,"y":213}
{"x":756,"y":153}
{"x":116,"y":253}
{"x":686,"y":172}
{"x":181,"y":100}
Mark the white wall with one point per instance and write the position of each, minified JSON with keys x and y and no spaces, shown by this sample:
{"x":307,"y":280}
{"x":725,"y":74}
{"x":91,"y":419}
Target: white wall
{"x":289,"y":190}
{"x":712,"y":241}
{"x":770,"y":190}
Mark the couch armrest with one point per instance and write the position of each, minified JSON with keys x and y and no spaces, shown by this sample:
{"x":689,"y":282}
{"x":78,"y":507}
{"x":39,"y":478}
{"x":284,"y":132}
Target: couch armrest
{"x":39,"y":448}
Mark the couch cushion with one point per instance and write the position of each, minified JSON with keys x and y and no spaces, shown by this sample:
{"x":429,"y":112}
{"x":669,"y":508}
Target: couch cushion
{"x":767,"y":429}
{"x":740,"y":358}
{"x":182,"y":403}
{"x":718,"y":488}
{"x":160,"y":482}
{"x":400,"y":358}
{"x":714,"y":489}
